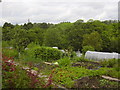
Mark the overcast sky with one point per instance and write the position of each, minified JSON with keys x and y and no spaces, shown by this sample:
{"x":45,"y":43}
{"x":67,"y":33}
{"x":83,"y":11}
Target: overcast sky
{"x":55,"y":11}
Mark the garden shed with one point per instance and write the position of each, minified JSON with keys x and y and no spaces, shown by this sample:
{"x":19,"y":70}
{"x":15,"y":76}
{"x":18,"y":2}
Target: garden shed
{"x":101,"y":55}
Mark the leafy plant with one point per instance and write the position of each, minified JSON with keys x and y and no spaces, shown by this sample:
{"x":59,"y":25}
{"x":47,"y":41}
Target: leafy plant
{"x":27,"y":79}
{"x":10,"y":52}
{"x":109,"y":62}
{"x":87,"y":48}
{"x":64,"y":62}
{"x":67,"y":75}
{"x":107,"y":83}
{"x":82,"y":58}
{"x":47,"y":53}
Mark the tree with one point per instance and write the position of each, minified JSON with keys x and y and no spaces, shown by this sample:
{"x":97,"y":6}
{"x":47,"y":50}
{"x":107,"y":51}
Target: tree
{"x":57,"y":35}
{"x":27,"y":26}
{"x":94,"y":40}
{"x":75,"y":37}
{"x":87,"y":48}
{"x":6,"y":24}
{"x":36,"y":34}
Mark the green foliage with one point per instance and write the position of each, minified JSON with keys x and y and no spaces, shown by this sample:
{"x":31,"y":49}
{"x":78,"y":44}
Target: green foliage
{"x":29,"y":54}
{"x":47,"y":53}
{"x":69,"y":52}
{"x":67,"y":75}
{"x":94,"y":42}
{"x":6,"y":24}
{"x":106,"y":83}
{"x":76,"y":59}
{"x":57,"y":35}
{"x":10,"y":52}
{"x":109,"y":62}
{"x":87,"y":48}
{"x":10,"y":79}
{"x":114,"y":67}
{"x":41,"y":53}
{"x":27,"y":26}
{"x":65,"y":34}
{"x":75,"y":37}
{"x":113,"y":73}
{"x":73,"y":54}
{"x":64,"y":62}
{"x":32,"y":45}
{"x":11,"y":72}
{"x":5,"y":44}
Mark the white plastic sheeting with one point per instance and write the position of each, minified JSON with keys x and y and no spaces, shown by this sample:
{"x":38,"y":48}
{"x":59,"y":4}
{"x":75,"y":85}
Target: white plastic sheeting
{"x":55,"y":47}
{"x":101,"y":55}
{"x":62,"y":51}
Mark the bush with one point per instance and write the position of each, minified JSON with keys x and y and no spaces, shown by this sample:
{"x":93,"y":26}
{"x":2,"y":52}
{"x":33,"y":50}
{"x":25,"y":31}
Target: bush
{"x":32,"y":45}
{"x":10,"y":52}
{"x":5,"y":44}
{"x":73,"y":54}
{"x":116,"y":67}
{"x":64,"y":61}
{"x":82,"y":58}
{"x":109,"y":62}
{"x":87,"y":48}
{"x":29,"y":54}
{"x":43,"y":53}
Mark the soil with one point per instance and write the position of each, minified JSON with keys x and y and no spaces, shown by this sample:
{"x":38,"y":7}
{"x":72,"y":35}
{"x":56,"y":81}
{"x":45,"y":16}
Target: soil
{"x":91,"y":82}
{"x":87,"y":64}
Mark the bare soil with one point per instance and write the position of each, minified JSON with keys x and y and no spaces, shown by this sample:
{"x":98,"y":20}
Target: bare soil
{"x":93,"y":82}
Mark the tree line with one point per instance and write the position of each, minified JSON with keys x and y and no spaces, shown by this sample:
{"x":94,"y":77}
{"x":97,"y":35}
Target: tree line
{"x":99,"y":35}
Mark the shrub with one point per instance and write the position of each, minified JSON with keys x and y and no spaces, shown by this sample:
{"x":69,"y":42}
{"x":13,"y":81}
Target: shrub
{"x":47,"y":53}
{"x":11,"y":72}
{"x":73,"y":54}
{"x":5,"y":44}
{"x":32,"y":45}
{"x":116,"y":67}
{"x":43,"y":53}
{"x":82,"y":58}
{"x":10,"y":52}
{"x":86,"y":48}
{"x":64,"y":61}
{"x":109,"y":62}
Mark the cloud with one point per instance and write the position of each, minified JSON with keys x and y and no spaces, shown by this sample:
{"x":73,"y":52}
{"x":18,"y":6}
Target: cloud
{"x":56,"y":11}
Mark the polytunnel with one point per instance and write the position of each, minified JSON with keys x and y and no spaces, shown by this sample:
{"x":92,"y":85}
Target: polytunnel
{"x":101,"y":55}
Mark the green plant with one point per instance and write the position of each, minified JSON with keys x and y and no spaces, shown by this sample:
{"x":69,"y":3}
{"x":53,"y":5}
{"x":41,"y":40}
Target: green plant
{"x":32,"y":45}
{"x":67,"y":75}
{"x":82,"y":58}
{"x":5,"y":44}
{"x":103,"y":82}
{"x":10,"y":52}
{"x":116,"y":67}
{"x":47,"y":53}
{"x":109,"y":62}
{"x":27,"y":78}
{"x":107,"y":83}
{"x":86,"y":48}
{"x":64,"y":62}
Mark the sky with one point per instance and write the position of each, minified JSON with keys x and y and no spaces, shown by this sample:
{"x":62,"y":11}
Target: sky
{"x":56,"y":11}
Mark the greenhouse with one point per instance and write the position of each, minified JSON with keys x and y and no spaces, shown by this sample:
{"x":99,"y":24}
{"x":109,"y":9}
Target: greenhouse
{"x":101,"y":55}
